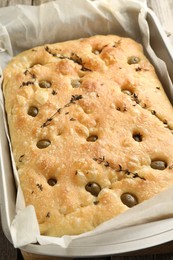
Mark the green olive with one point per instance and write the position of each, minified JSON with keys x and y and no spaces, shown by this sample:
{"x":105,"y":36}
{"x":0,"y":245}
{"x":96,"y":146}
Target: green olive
{"x":127,"y":92}
{"x":93,"y":188}
{"x":96,"y":52}
{"x":92,"y":138}
{"x":44,"y":84}
{"x":32,"y":111}
{"x":158,"y":165}
{"x":52,"y":181}
{"x":133,"y":60}
{"x":75,"y":83}
{"x":137,"y":137}
{"x":44,"y":143}
{"x":129,"y":199}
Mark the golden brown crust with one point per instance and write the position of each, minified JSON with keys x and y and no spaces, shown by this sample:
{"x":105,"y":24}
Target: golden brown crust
{"x":97,"y":131}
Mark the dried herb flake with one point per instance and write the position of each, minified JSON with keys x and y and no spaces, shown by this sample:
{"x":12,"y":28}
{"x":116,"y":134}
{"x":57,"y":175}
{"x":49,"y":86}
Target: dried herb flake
{"x":21,"y":157}
{"x":40,"y":186}
{"x":48,"y":215}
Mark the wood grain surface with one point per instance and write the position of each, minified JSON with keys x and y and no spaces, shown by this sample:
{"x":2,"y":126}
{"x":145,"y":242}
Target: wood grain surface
{"x":164,"y":11}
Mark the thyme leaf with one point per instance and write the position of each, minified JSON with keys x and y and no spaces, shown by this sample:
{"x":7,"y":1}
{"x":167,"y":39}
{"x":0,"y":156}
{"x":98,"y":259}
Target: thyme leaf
{"x":135,"y":98}
{"x":26,"y":83}
{"x":40,"y":186}
{"x":48,"y":215}
{"x":75,"y":98}
{"x":21,"y":157}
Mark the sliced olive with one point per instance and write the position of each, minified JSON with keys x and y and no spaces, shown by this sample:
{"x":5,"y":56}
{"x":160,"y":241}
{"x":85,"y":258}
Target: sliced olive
{"x":43,"y":143}
{"x":158,"y":165}
{"x":52,"y":181}
{"x":44,"y":84}
{"x":133,"y":60}
{"x":129,"y":199}
{"x":96,"y":52}
{"x":92,"y":138}
{"x":32,"y":111}
{"x":35,"y":64}
{"x":127,"y":92}
{"x":137,"y":137}
{"x":93,"y":188}
{"x":75,"y":83}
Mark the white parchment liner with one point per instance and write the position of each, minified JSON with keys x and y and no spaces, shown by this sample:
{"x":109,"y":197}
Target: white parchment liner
{"x":24,"y":27}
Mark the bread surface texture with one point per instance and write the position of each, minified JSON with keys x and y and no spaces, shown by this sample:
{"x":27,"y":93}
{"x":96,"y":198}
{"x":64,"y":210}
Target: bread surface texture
{"x":91,"y":130}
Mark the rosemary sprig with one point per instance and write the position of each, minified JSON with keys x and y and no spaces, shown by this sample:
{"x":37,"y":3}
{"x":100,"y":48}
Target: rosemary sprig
{"x":73,"y":100}
{"x":127,"y":172}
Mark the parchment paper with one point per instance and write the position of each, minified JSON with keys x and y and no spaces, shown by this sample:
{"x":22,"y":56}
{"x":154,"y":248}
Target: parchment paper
{"x":24,"y":27}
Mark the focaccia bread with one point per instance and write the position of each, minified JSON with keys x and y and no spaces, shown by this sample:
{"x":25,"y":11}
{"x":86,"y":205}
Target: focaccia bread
{"x":91,"y":130}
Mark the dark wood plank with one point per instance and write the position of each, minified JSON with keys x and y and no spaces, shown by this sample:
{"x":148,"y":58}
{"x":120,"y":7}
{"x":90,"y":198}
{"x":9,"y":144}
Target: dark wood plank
{"x":38,"y":2}
{"x":7,"y":251}
{"x":145,"y":257}
{"x":4,"y":3}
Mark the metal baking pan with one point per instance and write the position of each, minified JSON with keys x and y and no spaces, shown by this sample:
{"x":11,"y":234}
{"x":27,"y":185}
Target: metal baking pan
{"x":156,"y":233}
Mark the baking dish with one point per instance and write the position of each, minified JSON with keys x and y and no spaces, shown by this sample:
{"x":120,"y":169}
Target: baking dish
{"x":154,"y":233}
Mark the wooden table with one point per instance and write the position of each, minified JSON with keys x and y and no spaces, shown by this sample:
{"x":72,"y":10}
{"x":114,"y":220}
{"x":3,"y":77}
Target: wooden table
{"x":164,"y":11}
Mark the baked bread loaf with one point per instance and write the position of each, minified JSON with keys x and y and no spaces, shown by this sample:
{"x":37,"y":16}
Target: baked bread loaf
{"x":91,"y":130}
